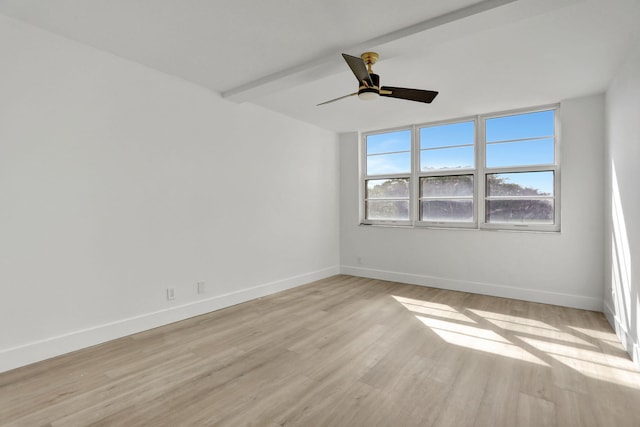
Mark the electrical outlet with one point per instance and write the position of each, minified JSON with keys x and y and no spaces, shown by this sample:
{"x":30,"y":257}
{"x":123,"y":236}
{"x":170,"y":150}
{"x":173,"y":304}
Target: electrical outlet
{"x":359,"y":260}
{"x":171,"y":294}
{"x":200,"y":286}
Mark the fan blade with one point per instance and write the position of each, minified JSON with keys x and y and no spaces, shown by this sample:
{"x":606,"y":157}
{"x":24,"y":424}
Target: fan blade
{"x":359,"y":69}
{"x":409,"y":94}
{"x":337,"y":99}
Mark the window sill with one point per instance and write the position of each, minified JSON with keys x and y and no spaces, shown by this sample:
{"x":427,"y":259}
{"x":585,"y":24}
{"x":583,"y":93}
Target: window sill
{"x":475,"y":229}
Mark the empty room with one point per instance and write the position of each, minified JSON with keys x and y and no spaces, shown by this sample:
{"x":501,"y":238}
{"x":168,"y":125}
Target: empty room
{"x":319,"y":213}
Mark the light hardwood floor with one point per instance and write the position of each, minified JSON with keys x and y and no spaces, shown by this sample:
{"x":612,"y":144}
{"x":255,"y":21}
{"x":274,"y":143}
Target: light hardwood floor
{"x":343,"y":351}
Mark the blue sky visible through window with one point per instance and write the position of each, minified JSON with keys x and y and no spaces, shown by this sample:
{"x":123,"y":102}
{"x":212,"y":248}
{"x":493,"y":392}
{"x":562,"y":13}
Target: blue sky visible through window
{"x":514,"y":140}
{"x":520,"y":126}
{"x":389,"y":142}
{"x":447,"y":135}
{"x":389,"y":153}
{"x":447,"y":146}
{"x":523,"y":140}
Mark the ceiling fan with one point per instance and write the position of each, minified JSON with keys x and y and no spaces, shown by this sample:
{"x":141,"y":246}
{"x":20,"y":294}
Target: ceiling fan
{"x":370,"y":83}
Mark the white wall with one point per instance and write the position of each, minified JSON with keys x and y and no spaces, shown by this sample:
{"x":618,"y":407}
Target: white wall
{"x":622,"y":263}
{"x":117,"y":181}
{"x":563,"y":268}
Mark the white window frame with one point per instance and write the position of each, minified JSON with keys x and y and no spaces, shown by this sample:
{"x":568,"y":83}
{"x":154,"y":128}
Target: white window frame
{"x":479,"y":173}
{"x":364,"y":177}
{"x":554,"y":167}
{"x":445,"y":172}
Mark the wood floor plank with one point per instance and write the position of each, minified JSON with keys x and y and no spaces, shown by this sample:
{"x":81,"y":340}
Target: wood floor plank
{"x":534,"y":412}
{"x":343,"y":351}
{"x":499,"y":404}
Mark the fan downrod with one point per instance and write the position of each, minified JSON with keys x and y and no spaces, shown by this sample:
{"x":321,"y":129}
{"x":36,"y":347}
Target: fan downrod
{"x":369,"y":58}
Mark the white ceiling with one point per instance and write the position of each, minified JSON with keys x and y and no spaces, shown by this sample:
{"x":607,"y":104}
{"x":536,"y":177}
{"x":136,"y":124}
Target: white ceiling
{"x":284,"y":55}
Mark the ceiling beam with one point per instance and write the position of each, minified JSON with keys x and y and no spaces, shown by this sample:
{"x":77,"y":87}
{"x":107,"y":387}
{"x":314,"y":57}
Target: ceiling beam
{"x":322,"y":66}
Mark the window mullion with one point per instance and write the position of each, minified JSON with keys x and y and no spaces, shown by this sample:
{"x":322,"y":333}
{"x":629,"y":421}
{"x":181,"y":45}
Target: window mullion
{"x":414,"y":181}
{"x":556,"y":156}
{"x":480,"y":171}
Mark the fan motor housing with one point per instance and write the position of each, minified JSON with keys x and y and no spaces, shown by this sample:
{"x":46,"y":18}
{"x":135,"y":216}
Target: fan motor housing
{"x":376,"y":85}
{"x":370,"y":93}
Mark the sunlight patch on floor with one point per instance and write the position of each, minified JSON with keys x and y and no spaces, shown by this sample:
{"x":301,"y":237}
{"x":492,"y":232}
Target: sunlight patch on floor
{"x":599,"y":372}
{"x":513,"y":319}
{"x":528,"y":340}
{"x":453,"y":315}
{"x":598,"y":335}
{"x":581,"y":354}
{"x":551,"y":334}
{"x":478,"y":339}
{"x":420,"y":303}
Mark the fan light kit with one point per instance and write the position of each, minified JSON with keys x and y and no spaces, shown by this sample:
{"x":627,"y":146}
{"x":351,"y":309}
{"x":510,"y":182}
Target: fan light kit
{"x":369,"y":82}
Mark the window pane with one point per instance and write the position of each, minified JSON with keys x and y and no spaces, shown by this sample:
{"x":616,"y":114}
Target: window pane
{"x":520,"y":184}
{"x":389,"y":142}
{"x":447,"y":210}
{"x":387,"y":209}
{"x":447,"y":135}
{"x":535,"y":211}
{"x":520,"y":153}
{"x":520,"y":126}
{"x":388,"y":188}
{"x":447,"y":186}
{"x":447,"y":158}
{"x":384,"y":164}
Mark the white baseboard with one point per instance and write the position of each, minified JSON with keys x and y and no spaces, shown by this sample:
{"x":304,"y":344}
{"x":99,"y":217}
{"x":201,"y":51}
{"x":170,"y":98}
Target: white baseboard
{"x":533,"y":295}
{"x":55,"y":346}
{"x":629,"y":343}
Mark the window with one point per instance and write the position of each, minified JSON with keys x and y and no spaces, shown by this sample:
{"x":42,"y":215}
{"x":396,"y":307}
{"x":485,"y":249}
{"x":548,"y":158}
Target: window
{"x":520,"y":170}
{"x":387,"y":176}
{"x":446,"y":175}
{"x":497,"y":171}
